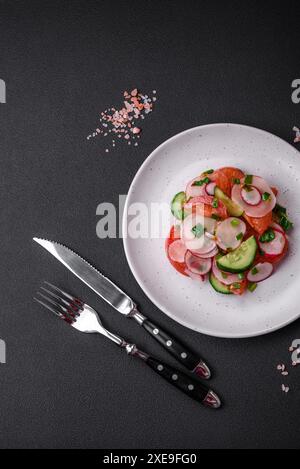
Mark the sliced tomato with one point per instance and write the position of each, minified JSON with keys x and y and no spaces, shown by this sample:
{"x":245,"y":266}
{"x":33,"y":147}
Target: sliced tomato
{"x":232,"y":174}
{"x":260,"y":225}
{"x":174,"y":236}
{"x":275,"y":191}
{"x":222,"y":181}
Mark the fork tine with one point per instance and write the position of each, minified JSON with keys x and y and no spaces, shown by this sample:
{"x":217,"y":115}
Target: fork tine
{"x":48,"y":307}
{"x":75,"y":307}
{"x":62,"y":292}
{"x":68,"y":316}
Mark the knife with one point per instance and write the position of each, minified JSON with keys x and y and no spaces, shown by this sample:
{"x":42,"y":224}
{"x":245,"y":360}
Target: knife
{"x":108,"y":291}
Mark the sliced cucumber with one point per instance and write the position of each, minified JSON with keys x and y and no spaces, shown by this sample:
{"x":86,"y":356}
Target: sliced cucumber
{"x":218,"y":286}
{"x":177,"y":205}
{"x":240,"y":259}
{"x":234,"y":209}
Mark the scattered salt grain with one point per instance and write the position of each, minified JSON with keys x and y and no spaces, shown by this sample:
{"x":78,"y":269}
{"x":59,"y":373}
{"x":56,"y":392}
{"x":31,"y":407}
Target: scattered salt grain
{"x":285,"y":373}
{"x":297,"y":138}
{"x":122,"y":122}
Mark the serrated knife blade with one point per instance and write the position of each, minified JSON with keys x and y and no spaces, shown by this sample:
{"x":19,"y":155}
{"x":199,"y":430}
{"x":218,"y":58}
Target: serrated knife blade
{"x":113,"y":295}
{"x":90,"y":276}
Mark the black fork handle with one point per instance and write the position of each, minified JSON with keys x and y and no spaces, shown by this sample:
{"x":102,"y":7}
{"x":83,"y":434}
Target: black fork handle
{"x":182,"y":353}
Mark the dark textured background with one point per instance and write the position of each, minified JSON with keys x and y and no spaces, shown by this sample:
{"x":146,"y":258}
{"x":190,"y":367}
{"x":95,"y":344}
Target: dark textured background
{"x":64,"y":62}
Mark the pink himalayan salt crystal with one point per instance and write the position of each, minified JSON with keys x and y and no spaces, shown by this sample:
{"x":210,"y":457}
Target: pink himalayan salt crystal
{"x":136,"y":130}
{"x":297,"y":138}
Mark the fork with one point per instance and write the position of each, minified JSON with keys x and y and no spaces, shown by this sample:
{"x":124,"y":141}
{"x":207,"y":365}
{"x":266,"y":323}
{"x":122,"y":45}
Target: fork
{"x":85,"y":319}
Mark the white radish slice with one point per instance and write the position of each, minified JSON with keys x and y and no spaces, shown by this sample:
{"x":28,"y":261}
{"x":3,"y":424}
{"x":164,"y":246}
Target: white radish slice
{"x":196,"y":277}
{"x":195,"y":242}
{"x":277,"y":227}
{"x":260,"y":272}
{"x":177,"y":251}
{"x":230,"y":233}
{"x":275,"y":247}
{"x":265,"y":207}
{"x":251,"y":196}
{"x":208,"y":255}
{"x":196,"y":265}
{"x":195,"y":191}
{"x":224,"y":277}
{"x":210,"y":188}
{"x":201,"y":245}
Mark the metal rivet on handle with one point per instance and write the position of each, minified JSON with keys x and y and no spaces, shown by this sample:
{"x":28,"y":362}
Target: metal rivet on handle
{"x":156,"y":332}
{"x":169,"y":343}
{"x":160,"y":368}
{"x":174,"y":377}
{"x":183,"y":355}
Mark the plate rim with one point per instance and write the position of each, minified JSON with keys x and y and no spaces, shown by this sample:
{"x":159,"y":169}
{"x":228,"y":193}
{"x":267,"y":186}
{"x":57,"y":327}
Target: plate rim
{"x":145,"y":289}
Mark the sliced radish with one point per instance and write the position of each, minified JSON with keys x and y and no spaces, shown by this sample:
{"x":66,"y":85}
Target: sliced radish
{"x":230,"y":233}
{"x":265,"y":206}
{"x":260,"y":272}
{"x":196,"y":265}
{"x":193,"y":239}
{"x":195,"y":276}
{"x":195,"y":191}
{"x":201,"y":199}
{"x":208,"y":255}
{"x":251,"y":195}
{"x":210,"y":188}
{"x":224,"y":277}
{"x":177,"y":251}
{"x":277,"y":227}
{"x":275,"y":247}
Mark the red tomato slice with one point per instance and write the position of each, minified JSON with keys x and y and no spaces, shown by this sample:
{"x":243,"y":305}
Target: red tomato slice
{"x":232,"y":173}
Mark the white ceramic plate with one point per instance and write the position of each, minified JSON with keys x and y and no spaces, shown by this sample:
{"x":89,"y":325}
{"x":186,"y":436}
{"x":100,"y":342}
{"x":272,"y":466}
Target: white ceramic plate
{"x":166,"y":171}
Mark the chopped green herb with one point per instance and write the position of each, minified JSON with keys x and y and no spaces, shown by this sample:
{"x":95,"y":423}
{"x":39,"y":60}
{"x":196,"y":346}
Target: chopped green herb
{"x":239,"y":236}
{"x":202,"y":182}
{"x":252,"y":287}
{"x":215,"y":217}
{"x":285,"y":223}
{"x":235,"y":222}
{"x":268,"y":236}
{"x":224,"y":275}
{"x":236,"y":285}
{"x":198,"y":183}
{"x":241,"y":276}
{"x":236,"y":181}
{"x":248,"y":180}
{"x":198,"y":230}
{"x":266,"y":196}
{"x":209,"y":171}
{"x":279,"y":210}
{"x":283,"y":219}
{"x":254,"y":271}
{"x":248,"y":188}
{"x":215,"y":203}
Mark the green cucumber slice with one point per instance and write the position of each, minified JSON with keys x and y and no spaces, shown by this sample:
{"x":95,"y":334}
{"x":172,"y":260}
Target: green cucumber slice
{"x":177,"y":206}
{"x":240,"y":259}
{"x":233,"y":209}
{"x":218,"y":286}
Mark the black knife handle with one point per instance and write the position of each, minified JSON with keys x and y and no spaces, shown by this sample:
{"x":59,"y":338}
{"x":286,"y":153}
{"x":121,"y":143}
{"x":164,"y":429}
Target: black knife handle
{"x":185,"y":356}
{"x":185,"y":383}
